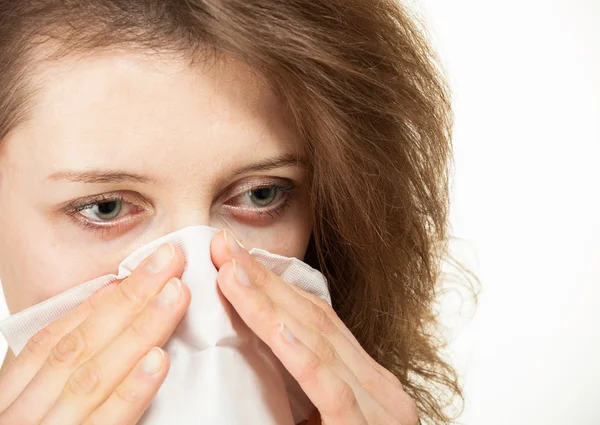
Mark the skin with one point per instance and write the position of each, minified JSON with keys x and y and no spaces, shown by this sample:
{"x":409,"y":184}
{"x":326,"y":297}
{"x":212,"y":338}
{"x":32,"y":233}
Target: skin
{"x":202,"y":141}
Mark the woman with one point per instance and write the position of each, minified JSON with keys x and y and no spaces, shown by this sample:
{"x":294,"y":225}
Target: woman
{"x":316,"y":129}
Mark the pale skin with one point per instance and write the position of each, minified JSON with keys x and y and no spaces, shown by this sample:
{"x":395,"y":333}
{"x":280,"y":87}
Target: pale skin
{"x":119,"y":149}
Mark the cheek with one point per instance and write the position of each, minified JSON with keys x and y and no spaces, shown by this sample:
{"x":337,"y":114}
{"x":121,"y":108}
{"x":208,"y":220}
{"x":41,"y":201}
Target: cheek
{"x":36,"y":262}
{"x":287,"y":236}
{"x":286,"y":241}
{"x":35,"y":265}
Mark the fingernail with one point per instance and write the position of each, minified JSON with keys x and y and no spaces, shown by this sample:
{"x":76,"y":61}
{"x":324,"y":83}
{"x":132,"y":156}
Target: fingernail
{"x":240,"y":275}
{"x":169,"y":294}
{"x":286,"y":334}
{"x":160,"y":259}
{"x":152,"y":362}
{"x":235,"y":248}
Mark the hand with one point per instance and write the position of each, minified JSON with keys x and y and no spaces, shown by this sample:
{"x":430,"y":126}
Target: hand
{"x":344,"y":383}
{"x":101,"y":363}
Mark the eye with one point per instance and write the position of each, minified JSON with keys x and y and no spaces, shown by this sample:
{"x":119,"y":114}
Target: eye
{"x":109,"y":214}
{"x":258,"y":201}
{"x":264,"y":196}
{"x":103,"y":211}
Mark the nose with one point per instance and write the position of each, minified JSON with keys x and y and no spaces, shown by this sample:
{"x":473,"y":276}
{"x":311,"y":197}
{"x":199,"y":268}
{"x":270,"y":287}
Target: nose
{"x":187,"y":215}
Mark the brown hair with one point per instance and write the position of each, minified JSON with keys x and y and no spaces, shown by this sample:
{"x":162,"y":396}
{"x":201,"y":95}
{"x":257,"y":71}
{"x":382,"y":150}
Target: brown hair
{"x":361,"y":86}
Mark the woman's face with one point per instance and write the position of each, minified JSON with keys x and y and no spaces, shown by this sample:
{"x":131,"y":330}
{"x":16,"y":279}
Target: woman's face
{"x":122,"y":148}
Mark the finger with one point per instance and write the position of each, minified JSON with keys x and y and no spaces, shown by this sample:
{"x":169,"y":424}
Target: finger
{"x":93,"y":382}
{"x":104,"y":323}
{"x":313,"y":326}
{"x":219,"y":250}
{"x":127,"y":403}
{"x":225,"y":246}
{"x":330,"y":393}
{"x":337,"y":399}
{"x":332,"y":396}
{"x":308,"y":309}
{"x":261,"y":314}
{"x":35,"y":352}
{"x":223,"y":249}
{"x":374,"y":372}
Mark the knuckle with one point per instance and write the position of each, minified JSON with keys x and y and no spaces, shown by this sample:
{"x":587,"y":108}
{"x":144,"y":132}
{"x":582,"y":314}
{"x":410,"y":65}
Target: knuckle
{"x":324,"y":305}
{"x":85,"y":380}
{"x":344,"y":397}
{"x":393,"y":379}
{"x":308,"y":370}
{"x":95,"y":301}
{"x":324,"y":350}
{"x":70,"y":349}
{"x":127,"y":394}
{"x":262,"y":309}
{"x":320,"y":321}
{"x":40,"y":343}
{"x":261,"y":274}
{"x":373,"y":381}
{"x":127,"y":292}
{"x":143,"y":328}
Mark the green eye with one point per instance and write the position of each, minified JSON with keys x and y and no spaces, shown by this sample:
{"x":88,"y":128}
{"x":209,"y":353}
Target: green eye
{"x":263,"y":196}
{"x":106,"y":210}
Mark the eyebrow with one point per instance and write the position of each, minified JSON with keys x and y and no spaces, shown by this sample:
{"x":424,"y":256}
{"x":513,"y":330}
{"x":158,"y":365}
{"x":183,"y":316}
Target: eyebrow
{"x":272,"y":163}
{"x":102,"y":176}
{"x":99,"y":176}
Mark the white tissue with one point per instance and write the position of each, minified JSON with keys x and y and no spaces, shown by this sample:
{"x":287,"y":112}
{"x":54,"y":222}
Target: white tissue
{"x":221,"y":372}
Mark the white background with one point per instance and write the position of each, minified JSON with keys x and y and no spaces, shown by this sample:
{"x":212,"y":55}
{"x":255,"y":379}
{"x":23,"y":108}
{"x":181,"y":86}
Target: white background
{"x":526,"y":82}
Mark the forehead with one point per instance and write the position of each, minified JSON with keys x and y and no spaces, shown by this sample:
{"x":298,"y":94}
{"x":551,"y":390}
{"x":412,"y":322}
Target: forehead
{"x":111,"y":106}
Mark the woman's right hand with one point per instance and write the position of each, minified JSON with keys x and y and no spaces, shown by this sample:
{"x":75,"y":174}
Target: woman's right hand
{"x":101,"y":363}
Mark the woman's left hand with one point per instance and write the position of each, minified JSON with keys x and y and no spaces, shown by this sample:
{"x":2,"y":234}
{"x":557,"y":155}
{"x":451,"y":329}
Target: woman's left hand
{"x":345,"y":384}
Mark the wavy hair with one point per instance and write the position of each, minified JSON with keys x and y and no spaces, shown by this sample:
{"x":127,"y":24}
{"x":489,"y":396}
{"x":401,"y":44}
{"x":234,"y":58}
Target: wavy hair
{"x":362,"y":87}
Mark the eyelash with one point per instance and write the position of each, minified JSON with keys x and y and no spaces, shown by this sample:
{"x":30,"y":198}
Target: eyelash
{"x":74,"y":209}
{"x":288,"y":193}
